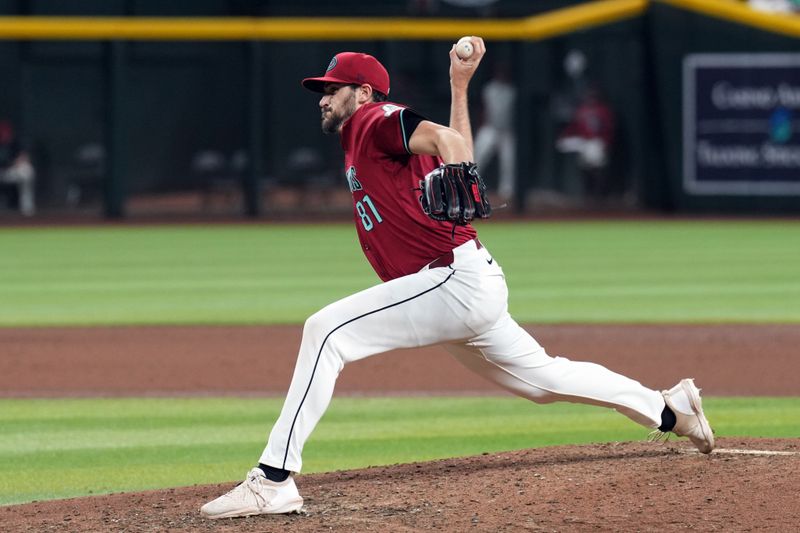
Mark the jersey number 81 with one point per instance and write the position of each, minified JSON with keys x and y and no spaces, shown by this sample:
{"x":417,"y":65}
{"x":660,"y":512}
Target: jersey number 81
{"x":366,"y":219}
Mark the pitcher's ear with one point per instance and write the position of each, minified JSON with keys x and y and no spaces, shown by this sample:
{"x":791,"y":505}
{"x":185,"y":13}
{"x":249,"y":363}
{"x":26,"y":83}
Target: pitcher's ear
{"x":364,"y":93}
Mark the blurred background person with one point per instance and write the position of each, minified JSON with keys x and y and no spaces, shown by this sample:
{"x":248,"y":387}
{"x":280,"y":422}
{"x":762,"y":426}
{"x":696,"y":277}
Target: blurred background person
{"x":590,"y":136}
{"x":565,"y":96}
{"x":496,"y":135}
{"x":568,"y":95}
{"x":16,"y":168}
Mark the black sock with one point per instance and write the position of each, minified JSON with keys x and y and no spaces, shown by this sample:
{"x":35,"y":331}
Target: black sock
{"x":274,"y":474}
{"x":667,"y":420}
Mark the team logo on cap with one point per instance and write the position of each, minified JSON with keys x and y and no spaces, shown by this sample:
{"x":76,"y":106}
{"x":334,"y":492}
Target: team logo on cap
{"x":332,"y":64}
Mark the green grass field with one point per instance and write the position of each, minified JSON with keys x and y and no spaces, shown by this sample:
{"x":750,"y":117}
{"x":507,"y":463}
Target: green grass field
{"x":603,"y":272}
{"x":59,"y":448}
{"x":635,"y":271}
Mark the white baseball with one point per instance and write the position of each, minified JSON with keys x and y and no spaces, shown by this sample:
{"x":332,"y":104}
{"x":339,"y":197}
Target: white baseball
{"x":464,"y":48}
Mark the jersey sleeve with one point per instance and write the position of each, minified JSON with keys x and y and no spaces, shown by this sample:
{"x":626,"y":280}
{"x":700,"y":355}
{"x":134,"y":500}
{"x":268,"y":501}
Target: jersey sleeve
{"x":394,"y":129}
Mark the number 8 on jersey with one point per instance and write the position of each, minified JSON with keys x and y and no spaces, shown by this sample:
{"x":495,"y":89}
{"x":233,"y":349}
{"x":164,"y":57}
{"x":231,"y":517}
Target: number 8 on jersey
{"x":366,"y":219}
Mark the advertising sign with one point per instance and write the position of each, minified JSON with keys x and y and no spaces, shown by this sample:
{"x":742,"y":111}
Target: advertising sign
{"x":741,"y":124}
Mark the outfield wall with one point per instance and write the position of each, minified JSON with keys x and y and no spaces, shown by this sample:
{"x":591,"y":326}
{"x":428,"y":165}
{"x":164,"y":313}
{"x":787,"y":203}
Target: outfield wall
{"x":157,"y":93}
{"x":724,"y":88}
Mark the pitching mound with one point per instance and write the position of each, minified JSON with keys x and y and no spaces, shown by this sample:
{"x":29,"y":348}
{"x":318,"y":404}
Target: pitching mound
{"x":745,"y":485}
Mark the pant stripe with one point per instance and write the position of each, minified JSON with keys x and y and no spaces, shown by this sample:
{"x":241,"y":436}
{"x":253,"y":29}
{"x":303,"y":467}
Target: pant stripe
{"x":319,"y":354}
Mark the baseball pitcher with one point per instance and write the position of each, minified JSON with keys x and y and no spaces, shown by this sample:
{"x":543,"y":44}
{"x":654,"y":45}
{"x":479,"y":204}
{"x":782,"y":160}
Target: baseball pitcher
{"x":415,"y":191}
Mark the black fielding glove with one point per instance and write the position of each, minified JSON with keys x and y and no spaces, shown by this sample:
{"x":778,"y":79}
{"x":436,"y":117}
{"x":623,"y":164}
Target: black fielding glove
{"x":455,"y":193}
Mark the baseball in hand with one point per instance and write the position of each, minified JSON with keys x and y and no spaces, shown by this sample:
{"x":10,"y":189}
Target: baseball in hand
{"x":464,"y":48}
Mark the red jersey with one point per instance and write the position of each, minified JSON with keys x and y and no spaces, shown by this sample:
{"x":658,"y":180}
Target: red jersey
{"x":397,"y":237}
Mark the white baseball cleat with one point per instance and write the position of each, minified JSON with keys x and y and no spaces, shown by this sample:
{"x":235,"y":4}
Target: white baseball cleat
{"x":684,"y":400}
{"x":255,"y":495}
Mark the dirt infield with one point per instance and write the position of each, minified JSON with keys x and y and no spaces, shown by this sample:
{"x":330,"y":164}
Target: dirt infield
{"x":611,"y":487}
{"x":258,"y":360}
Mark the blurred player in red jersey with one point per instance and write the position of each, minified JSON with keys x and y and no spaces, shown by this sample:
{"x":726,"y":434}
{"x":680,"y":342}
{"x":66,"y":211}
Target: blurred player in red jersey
{"x":442,"y":286}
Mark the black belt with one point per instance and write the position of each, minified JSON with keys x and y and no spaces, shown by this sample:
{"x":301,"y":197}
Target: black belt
{"x":448,"y":258}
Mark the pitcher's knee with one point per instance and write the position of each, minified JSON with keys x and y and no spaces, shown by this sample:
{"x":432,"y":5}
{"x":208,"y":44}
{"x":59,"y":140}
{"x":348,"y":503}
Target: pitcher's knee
{"x":323,"y":322}
{"x":314,"y":327}
{"x":535,"y":394}
{"x":319,"y":337}
{"x":542,"y":398}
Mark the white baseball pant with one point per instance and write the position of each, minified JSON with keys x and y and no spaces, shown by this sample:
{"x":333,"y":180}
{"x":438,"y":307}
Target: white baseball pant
{"x":463,"y":306}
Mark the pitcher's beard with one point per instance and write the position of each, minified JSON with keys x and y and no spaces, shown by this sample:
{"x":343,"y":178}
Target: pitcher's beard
{"x":331,"y":124}
{"x":332,"y":121}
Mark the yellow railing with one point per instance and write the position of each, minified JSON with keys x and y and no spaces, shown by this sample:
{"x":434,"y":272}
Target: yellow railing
{"x":301,"y":29}
{"x":543,"y":26}
{"x":738,"y":11}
